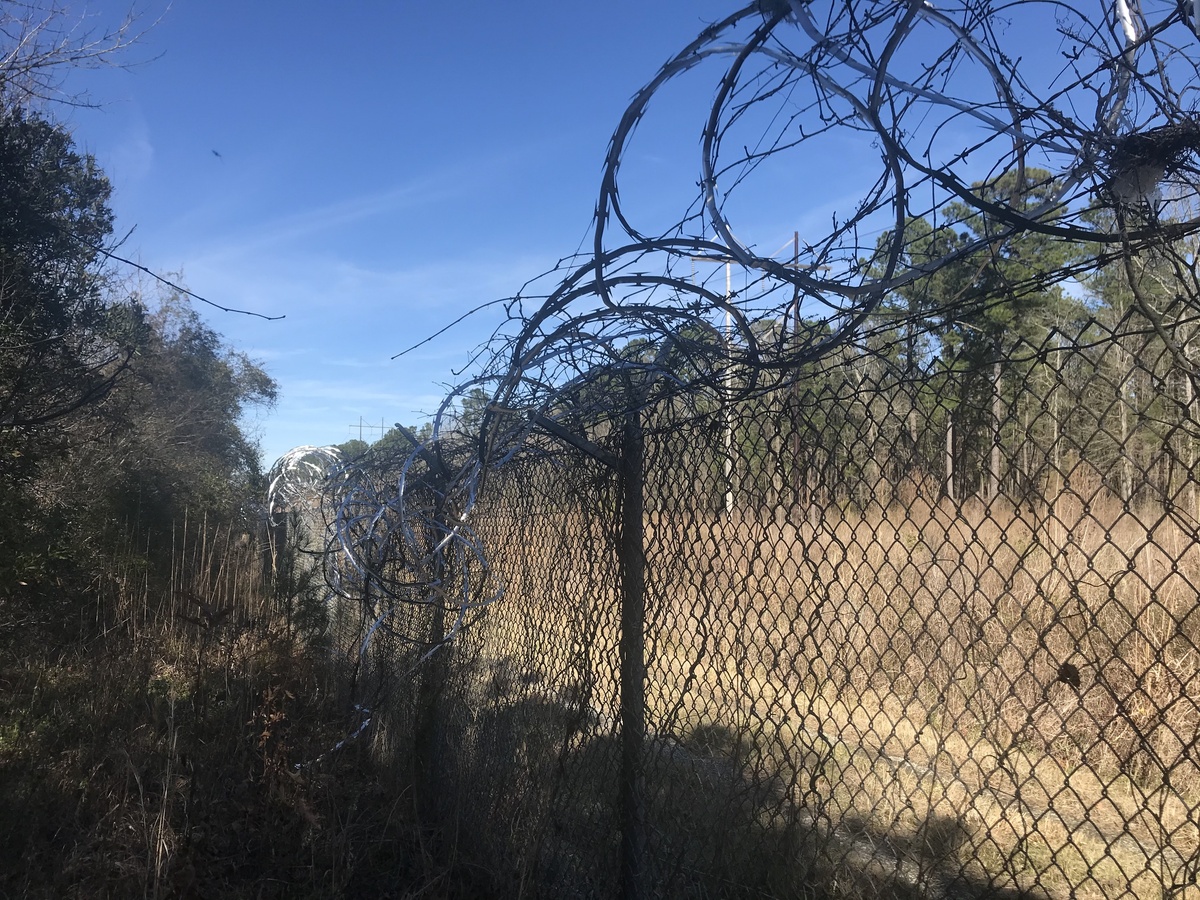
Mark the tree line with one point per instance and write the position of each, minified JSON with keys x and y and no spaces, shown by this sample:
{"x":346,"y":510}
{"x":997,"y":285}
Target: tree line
{"x":122,"y":413}
{"x":985,"y":379}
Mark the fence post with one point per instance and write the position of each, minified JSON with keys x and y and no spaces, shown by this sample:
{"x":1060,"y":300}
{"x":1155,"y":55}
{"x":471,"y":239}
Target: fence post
{"x":427,"y":794}
{"x":427,"y":773}
{"x":632,"y":561}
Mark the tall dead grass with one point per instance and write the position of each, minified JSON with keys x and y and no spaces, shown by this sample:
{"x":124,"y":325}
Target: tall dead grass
{"x":992,"y":696}
{"x":154,"y":753}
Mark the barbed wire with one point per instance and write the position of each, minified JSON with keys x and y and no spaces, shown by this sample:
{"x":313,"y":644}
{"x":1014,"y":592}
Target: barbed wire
{"x":1081,"y":150}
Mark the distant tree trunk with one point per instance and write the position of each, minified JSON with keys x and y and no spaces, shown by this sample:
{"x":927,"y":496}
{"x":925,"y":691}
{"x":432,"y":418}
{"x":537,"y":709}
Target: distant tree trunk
{"x":797,"y":470}
{"x":1056,"y":418}
{"x":1185,"y":494}
{"x":950,"y":456}
{"x":1126,"y":487}
{"x":997,"y":410}
{"x":1189,"y":393}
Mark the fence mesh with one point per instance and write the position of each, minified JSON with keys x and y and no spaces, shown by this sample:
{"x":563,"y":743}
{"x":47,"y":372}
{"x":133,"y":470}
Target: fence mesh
{"x":873,"y":574}
{"x":948,"y":654}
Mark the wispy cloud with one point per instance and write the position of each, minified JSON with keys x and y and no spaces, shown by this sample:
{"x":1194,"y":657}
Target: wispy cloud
{"x":399,"y":303}
{"x":331,"y":217}
{"x":133,"y":157}
{"x":433,"y":189}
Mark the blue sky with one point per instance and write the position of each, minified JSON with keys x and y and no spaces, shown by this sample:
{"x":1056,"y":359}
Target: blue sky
{"x":385,"y":166}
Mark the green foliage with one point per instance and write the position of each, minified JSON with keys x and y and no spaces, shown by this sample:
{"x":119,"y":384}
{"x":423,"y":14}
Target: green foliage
{"x":354,"y":448}
{"x":964,"y":339}
{"x":168,"y":443}
{"x":473,"y":406}
{"x":62,"y":343}
{"x":397,"y":442}
{"x":975,"y":305}
{"x":389,"y":451}
{"x":117,"y":422}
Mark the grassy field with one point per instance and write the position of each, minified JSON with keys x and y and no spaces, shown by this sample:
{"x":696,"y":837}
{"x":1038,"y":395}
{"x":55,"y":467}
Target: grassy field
{"x":950,"y":699}
{"x":928,"y":700}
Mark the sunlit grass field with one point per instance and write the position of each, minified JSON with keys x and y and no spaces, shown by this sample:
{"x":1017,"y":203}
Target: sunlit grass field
{"x":959,"y":699}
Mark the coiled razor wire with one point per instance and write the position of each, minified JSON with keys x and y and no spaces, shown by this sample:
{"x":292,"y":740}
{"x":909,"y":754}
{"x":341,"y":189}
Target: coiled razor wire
{"x":886,"y":73}
{"x":300,"y":476}
{"x":1096,"y":147}
{"x":373,"y":523}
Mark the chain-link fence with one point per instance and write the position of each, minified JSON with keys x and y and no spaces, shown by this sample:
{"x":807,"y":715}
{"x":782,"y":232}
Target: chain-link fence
{"x":870,"y":635}
{"x":872,"y":574}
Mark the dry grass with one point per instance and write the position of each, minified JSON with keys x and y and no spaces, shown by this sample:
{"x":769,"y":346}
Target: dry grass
{"x":157,"y":757}
{"x":893,"y":691}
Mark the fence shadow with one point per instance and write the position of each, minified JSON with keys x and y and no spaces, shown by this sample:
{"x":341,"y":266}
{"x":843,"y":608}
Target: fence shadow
{"x":532,"y":799}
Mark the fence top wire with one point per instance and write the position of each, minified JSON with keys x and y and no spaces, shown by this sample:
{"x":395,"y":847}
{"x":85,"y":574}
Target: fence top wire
{"x":974,"y":143}
{"x":1082,"y":154}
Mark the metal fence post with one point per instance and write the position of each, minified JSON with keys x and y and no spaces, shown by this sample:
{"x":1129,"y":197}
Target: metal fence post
{"x":632,"y":560}
{"x":427,"y":771}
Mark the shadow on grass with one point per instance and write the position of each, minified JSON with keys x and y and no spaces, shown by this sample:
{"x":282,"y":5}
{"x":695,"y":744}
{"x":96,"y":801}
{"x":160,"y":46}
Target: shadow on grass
{"x":124,"y":775}
{"x":533,"y":794}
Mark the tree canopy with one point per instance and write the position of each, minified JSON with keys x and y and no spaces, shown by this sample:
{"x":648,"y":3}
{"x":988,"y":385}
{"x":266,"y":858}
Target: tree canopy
{"x":63,"y":340}
{"x":120,"y":416}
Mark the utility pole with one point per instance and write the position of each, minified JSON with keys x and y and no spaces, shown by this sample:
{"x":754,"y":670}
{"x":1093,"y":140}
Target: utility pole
{"x":728,"y":390}
{"x":793,"y":404}
{"x":363,"y":426}
{"x":728,"y":377}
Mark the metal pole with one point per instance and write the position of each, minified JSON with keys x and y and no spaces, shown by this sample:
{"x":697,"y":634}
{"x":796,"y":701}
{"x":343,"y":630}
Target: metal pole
{"x":728,"y":391}
{"x":632,"y":560}
{"x":793,"y":419}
